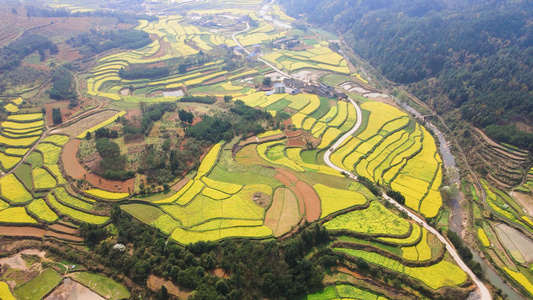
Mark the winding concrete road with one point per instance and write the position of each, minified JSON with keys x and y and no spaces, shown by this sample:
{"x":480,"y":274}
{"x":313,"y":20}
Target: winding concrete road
{"x":481,"y":288}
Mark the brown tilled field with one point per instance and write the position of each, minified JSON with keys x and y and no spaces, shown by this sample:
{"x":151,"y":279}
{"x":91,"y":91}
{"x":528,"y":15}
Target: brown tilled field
{"x":76,"y":171}
{"x":86,"y":123}
{"x":311,"y":199}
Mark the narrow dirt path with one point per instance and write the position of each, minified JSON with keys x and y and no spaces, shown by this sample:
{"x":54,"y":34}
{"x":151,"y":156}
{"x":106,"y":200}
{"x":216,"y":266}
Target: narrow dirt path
{"x":50,"y":129}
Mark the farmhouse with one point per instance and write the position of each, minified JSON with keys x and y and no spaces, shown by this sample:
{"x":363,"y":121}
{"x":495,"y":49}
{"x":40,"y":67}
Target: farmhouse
{"x":279,"y":88}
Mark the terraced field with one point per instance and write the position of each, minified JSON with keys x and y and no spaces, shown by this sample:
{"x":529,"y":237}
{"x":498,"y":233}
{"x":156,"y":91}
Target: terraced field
{"x":266,"y":187}
{"x":319,"y":57}
{"x":176,"y":39}
{"x":392,"y":149}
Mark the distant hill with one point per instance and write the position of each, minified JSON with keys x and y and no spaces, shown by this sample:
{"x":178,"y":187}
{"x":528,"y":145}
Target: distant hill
{"x":479,"y":52}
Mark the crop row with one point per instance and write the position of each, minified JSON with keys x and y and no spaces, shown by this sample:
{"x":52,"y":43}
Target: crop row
{"x":435,"y":276}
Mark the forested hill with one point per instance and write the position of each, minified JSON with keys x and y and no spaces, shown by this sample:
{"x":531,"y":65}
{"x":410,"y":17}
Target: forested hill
{"x":480,"y":52}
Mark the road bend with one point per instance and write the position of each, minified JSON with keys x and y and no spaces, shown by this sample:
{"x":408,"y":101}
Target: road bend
{"x":481,"y":288}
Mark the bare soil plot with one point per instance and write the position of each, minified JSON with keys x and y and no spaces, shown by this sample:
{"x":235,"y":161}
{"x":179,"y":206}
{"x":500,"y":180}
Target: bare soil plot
{"x":67,"y":53}
{"x":283,"y":214}
{"x":86,"y":123}
{"x":21,"y":231}
{"x":526,"y":201}
{"x":180,"y":184}
{"x":15,"y":262}
{"x":283,"y":179}
{"x":63,"y":236}
{"x":289,"y":175}
{"x":290,"y":215}
{"x":311,"y":200}
{"x":64,"y":229}
{"x":219,"y":273}
{"x":155,"y":283}
{"x":132,"y":113}
{"x":516,"y":242}
{"x":273,"y":214}
{"x":65,"y":111}
{"x":70,"y":163}
{"x":163,"y":47}
{"x":111,"y":185}
{"x":71,"y":290}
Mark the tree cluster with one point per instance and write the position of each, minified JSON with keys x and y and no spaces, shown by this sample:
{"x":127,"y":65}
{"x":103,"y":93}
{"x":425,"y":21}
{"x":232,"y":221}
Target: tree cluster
{"x":199,"y":99}
{"x":63,"y":87}
{"x":126,"y":18}
{"x":240,"y":120}
{"x":112,"y":162}
{"x":465,"y":253}
{"x":56,"y":116}
{"x":473,"y":55}
{"x":257,"y":270}
{"x":94,"y":42}
{"x":12,"y":55}
{"x":133,"y":73}
{"x":185,"y":116}
{"x":396,"y":196}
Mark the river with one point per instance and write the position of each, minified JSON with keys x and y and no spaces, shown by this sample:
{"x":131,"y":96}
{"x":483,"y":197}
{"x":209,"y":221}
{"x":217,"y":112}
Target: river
{"x":455,"y":206}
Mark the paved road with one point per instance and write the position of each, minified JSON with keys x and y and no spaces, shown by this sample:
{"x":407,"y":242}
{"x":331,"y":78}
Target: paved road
{"x":481,"y":288}
{"x":260,"y":59}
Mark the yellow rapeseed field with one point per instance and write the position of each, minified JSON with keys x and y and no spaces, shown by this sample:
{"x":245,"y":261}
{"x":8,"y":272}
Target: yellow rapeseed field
{"x":107,"y":195}
{"x":42,"y":179}
{"x":5,"y":292}
{"x":333,"y":200}
{"x":440,"y":274}
{"x":214,"y":194}
{"x":329,"y":136}
{"x":50,"y":152}
{"x":8,"y":161}
{"x":25,"y":117}
{"x":76,"y":214}
{"x":483,"y":237}
{"x":209,"y":161}
{"x":15,"y":215}
{"x":229,"y":188}
{"x":521,"y":279}
{"x":13,"y":190}
{"x":39,"y":208}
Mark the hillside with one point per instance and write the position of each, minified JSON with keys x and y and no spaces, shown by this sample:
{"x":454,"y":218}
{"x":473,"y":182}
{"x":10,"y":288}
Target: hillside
{"x":475,"y":56}
{"x":222,"y":149}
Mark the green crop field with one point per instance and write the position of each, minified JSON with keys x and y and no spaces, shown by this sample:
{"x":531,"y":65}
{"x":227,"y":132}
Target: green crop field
{"x":102,"y":285}
{"x":39,"y":286}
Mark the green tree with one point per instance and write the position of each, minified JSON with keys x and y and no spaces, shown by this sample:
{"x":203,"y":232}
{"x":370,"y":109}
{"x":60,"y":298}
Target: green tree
{"x":56,"y":116}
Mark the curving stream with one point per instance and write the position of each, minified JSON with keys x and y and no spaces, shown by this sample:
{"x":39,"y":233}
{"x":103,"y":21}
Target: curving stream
{"x":457,"y":212}
{"x":481,"y":292}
